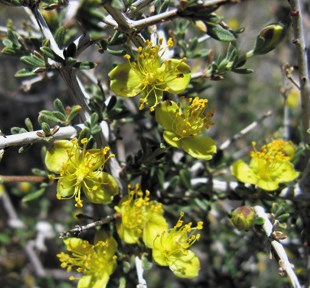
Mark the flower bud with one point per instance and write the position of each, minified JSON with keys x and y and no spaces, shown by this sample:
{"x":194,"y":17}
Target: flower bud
{"x":269,"y":37}
{"x":243,"y":218}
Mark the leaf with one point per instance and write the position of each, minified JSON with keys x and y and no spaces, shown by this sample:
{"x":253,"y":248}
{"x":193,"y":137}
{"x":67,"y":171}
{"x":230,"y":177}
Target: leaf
{"x":33,"y":60}
{"x":219,"y":33}
{"x":48,"y":52}
{"x":59,"y":106}
{"x":34,"y":195}
{"x":26,"y":72}
{"x":74,"y":112}
{"x":85,"y":65}
{"x":60,"y":36}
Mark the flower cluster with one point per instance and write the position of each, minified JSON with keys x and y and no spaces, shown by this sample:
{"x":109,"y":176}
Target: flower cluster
{"x":140,"y":217}
{"x":143,"y":219}
{"x":184,"y":124}
{"x":96,"y":261}
{"x":81,"y":170}
{"x":149,"y":76}
{"x":268,"y":167}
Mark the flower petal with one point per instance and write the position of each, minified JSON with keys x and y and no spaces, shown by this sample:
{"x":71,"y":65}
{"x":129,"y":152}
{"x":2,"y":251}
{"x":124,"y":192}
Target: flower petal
{"x":243,"y":172}
{"x":66,"y":187}
{"x":177,"y":75}
{"x":200,"y":147}
{"x":155,"y":224}
{"x":125,"y":81}
{"x":164,"y":114}
{"x":172,"y":139}
{"x":100,"y":187}
{"x":185,"y":266}
{"x":92,"y":281}
{"x":57,"y":155}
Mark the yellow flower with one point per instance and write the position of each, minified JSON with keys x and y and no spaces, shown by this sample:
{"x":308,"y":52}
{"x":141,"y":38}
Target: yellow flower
{"x":81,"y":169}
{"x":149,"y":75}
{"x":184,"y":125}
{"x":268,"y":167}
{"x":140,"y":217}
{"x":171,"y":248}
{"x":97,"y":262}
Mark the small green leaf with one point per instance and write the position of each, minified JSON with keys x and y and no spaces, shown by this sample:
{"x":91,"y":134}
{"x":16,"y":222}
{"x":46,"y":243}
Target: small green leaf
{"x":47,"y":116}
{"x":46,"y":129}
{"x":95,"y":129}
{"x":8,"y":51}
{"x":94,"y":118}
{"x":34,"y":195}
{"x":59,"y":106}
{"x":28,"y":124}
{"x":85,"y":65}
{"x":60,"y":36}
{"x":60,"y":116}
{"x":116,"y":52}
{"x":219,"y":33}
{"x":33,"y":60}
{"x":73,"y":113}
{"x":38,"y":172}
{"x":26,"y":72}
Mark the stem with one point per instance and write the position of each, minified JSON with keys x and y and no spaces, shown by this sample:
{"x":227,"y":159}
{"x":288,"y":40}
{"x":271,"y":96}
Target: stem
{"x":279,"y":249}
{"x":25,"y":178}
{"x":78,"y":229}
{"x":301,"y":52}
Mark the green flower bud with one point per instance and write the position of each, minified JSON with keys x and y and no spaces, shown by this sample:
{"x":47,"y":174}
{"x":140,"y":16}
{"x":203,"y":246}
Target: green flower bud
{"x":269,"y":37}
{"x":243,"y":218}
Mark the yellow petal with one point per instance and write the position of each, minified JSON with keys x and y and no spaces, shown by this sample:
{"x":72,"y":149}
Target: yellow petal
{"x":125,"y":81}
{"x":100,"y":187}
{"x":200,"y":147}
{"x":57,"y":155}
{"x":243,"y":172}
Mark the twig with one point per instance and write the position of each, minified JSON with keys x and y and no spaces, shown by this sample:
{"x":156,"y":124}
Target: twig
{"x":32,"y":137}
{"x":301,"y":51}
{"x":78,"y":229}
{"x":139,"y":268}
{"x":125,"y":25}
{"x":19,"y":178}
{"x":279,"y":249}
{"x":244,"y":131}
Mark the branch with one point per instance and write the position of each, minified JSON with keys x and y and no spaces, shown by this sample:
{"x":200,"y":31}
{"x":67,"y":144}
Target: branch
{"x":32,"y":137}
{"x":78,"y":229}
{"x":301,"y":51}
{"x":279,"y":249}
{"x":244,"y":131}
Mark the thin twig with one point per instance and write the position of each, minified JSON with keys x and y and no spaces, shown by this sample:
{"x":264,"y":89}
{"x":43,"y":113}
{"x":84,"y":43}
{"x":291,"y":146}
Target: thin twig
{"x":78,"y":229}
{"x":244,"y":131}
{"x":279,"y":249}
{"x":24,"y":178}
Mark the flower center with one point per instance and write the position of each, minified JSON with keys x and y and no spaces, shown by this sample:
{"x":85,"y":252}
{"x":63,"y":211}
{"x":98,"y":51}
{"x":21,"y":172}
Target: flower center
{"x":191,"y":117}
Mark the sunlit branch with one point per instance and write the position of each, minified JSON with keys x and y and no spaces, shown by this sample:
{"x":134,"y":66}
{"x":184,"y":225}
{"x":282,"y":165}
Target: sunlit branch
{"x":279,"y":249}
